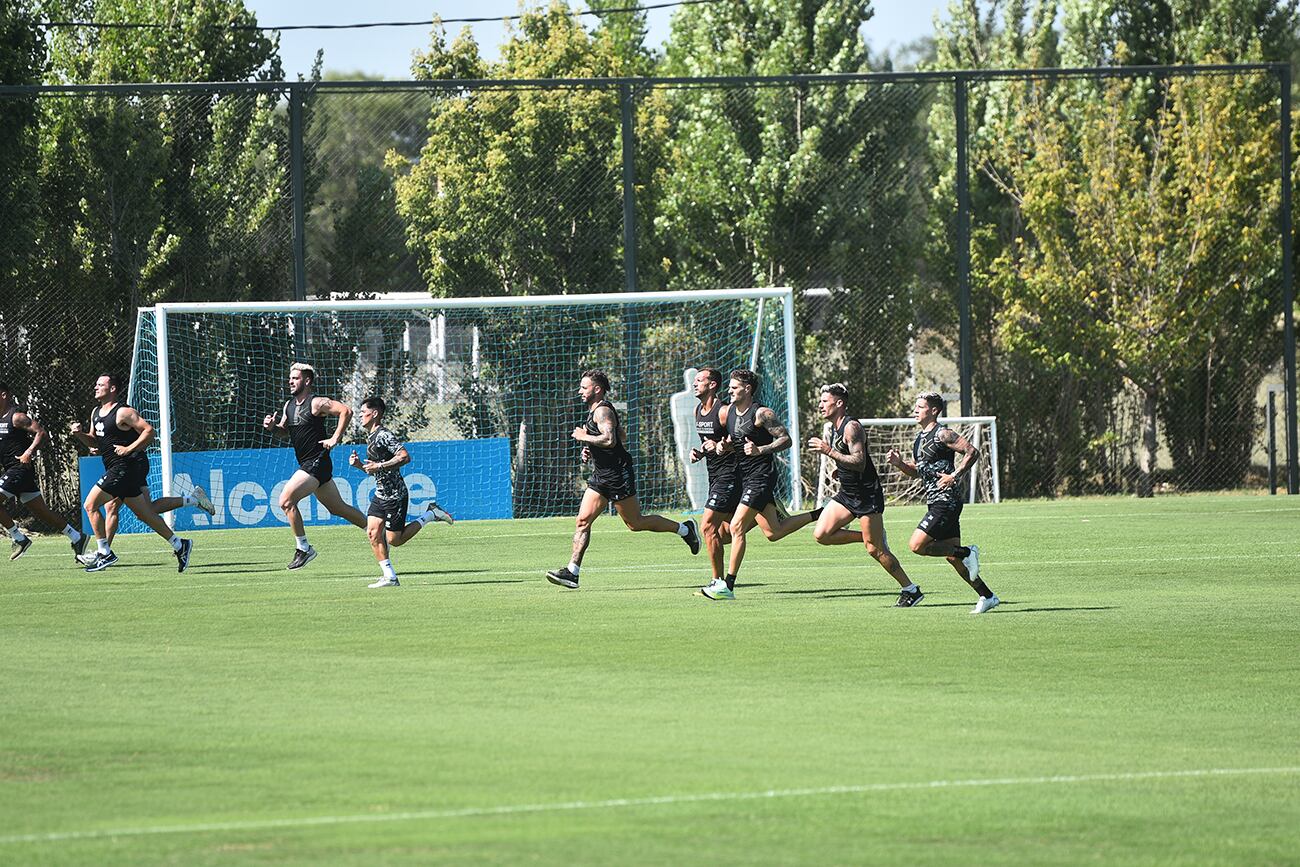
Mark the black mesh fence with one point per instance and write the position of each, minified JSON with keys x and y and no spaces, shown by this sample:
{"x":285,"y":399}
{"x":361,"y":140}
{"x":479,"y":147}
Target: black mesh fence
{"x":1124,"y":271}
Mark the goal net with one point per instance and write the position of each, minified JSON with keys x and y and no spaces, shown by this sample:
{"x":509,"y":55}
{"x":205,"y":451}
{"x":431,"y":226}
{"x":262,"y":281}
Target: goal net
{"x":883,"y":434}
{"x":484,"y":391}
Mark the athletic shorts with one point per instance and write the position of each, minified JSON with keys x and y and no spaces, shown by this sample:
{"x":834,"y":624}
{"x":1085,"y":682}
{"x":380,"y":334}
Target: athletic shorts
{"x":125,"y":478}
{"x":724,"y":495}
{"x":942,"y":521}
{"x":758,"y":491}
{"x":320,"y":468}
{"x":392,"y":511}
{"x":870,"y":502}
{"x":614,"y":484}
{"x":20,"y":479}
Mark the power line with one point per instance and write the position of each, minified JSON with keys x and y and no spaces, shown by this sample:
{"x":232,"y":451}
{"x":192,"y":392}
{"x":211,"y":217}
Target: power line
{"x":152,"y":25}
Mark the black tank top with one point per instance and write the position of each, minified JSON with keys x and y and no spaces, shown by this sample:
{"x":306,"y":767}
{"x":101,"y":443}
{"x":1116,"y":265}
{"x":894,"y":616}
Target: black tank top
{"x":108,"y":434}
{"x":853,"y":483}
{"x":709,"y":427}
{"x":932,"y":459}
{"x":741,"y":427}
{"x":13,"y":440}
{"x":305,"y":429}
{"x":613,"y":457}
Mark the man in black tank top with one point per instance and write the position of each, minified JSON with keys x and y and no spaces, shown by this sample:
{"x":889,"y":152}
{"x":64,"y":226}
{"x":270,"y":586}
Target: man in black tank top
{"x":754,"y":435}
{"x":121,"y":436}
{"x":20,"y":436}
{"x":614,"y":481}
{"x":860,"y":495}
{"x":933,"y":461}
{"x":303,"y":424}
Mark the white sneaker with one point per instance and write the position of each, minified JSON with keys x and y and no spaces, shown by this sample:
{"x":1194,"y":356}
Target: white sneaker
{"x":972,"y":563}
{"x":986,"y":603}
{"x":203,"y":501}
{"x":717,"y":591}
{"x":385,"y":582}
{"x":440,"y":514}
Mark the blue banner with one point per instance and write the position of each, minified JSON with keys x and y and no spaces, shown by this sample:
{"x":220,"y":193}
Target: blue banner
{"x":469,"y":478}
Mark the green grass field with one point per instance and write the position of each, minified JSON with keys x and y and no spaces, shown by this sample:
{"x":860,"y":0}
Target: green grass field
{"x":1135,"y":700}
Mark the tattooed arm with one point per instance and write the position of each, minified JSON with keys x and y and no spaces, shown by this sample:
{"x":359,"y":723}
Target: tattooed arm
{"x":969,"y":455}
{"x":767,"y":420}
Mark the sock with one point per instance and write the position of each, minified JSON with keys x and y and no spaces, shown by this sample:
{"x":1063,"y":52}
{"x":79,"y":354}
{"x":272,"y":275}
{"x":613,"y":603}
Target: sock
{"x":175,"y":542}
{"x":574,"y":567}
{"x":71,"y":532}
{"x":910,"y":588}
{"x":683,"y":530}
{"x":188,"y":500}
{"x":102,"y":545}
{"x":961,"y":552}
{"x":302,"y":543}
{"x":731,"y":582}
{"x":816,"y":513}
{"x":386,"y":566}
{"x":16,"y":533}
{"x":981,"y":588}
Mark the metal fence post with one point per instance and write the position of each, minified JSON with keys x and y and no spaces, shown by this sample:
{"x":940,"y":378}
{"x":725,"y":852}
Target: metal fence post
{"x":963,"y":241}
{"x":298,"y":195}
{"x":1288,"y":289}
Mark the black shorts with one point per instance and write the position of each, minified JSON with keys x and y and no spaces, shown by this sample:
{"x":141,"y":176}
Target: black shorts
{"x":870,"y":502}
{"x":758,"y":492}
{"x":614,"y":484}
{"x":942,"y":521}
{"x":392,"y":511}
{"x":125,"y":478}
{"x":320,"y":468}
{"x":724,"y":495}
{"x":20,"y":479}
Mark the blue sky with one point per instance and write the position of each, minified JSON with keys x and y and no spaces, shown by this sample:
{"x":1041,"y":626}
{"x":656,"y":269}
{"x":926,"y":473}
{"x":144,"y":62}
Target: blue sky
{"x":387,"y":51}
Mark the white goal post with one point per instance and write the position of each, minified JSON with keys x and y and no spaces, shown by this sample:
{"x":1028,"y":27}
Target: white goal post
{"x":527,"y":353}
{"x":883,"y":433}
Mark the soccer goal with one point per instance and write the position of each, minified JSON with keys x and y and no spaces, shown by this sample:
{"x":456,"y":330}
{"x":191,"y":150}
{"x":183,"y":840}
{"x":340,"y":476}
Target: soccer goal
{"x":484,"y":391}
{"x":982,"y":486}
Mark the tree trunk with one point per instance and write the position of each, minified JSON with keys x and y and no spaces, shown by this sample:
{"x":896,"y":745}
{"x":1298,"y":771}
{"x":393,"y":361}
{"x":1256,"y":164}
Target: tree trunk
{"x":1147,"y":459}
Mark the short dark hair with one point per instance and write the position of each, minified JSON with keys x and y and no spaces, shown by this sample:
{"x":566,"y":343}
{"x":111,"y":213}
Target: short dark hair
{"x":747,"y":377}
{"x":4,"y":386}
{"x":377,"y":404}
{"x":714,"y":375}
{"x":836,"y":389}
{"x":598,"y":377}
{"x":113,"y":380}
{"x":935,"y":400}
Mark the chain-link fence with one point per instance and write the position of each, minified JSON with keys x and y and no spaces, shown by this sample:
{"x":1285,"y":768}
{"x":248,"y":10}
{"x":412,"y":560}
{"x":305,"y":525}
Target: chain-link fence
{"x":1107,"y":245}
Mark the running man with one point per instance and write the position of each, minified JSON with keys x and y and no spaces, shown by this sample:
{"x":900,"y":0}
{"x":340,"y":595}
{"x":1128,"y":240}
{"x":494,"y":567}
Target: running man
{"x":386,"y":519}
{"x":722,"y":465}
{"x":756,"y":435}
{"x":303,"y":424}
{"x":197,"y":498}
{"x":933,"y":460}
{"x":604,"y":440}
{"x":20,"y":436}
{"x":121,"y":435}
{"x":860,"y":495}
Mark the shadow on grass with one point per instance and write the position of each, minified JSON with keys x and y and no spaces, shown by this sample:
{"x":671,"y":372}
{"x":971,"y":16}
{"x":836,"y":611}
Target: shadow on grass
{"x":845,"y":591}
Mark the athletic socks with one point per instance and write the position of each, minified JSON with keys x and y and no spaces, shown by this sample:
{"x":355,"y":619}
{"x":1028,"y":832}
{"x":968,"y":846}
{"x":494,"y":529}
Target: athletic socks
{"x":425,"y":518}
{"x":731,"y":581}
{"x":302,"y":543}
{"x":816,"y":513}
{"x":72,"y":533}
{"x":961,"y":552}
{"x":175,"y":542}
{"x":981,"y":588}
{"x":910,"y":588}
{"x":683,"y":530}
{"x":188,"y":500}
{"x":386,"y":567}
{"x":16,"y":533}
{"x":102,"y":546}
{"x":573,"y":568}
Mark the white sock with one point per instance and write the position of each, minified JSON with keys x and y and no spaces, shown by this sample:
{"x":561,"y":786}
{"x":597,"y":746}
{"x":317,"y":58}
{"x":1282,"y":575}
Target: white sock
{"x":175,"y":542}
{"x":188,"y":500}
{"x":910,"y":588}
{"x":682,"y":529}
{"x":425,"y":518}
{"x":71,"y":532}
{"x":574,"y":567}
{"x":386,"y":566}
{"x":302,"y":543}
{"x":102,"y":544}
{"x":16,"y":533}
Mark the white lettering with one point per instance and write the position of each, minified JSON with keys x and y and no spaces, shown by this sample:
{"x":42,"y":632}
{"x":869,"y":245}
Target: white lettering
{"x":217,"y":491}
{"x":279,"y":514}
{"x":423,"y":492}
{"x":242,"y":491}
{"x":345,"y":494}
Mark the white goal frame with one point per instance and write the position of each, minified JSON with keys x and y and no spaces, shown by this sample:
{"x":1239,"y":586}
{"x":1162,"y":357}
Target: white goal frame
{"x":825,"y":465}
{"x":782,"y":295}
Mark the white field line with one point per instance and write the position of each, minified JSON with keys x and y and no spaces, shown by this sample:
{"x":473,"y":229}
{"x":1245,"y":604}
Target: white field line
{"x":615,"y":803}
